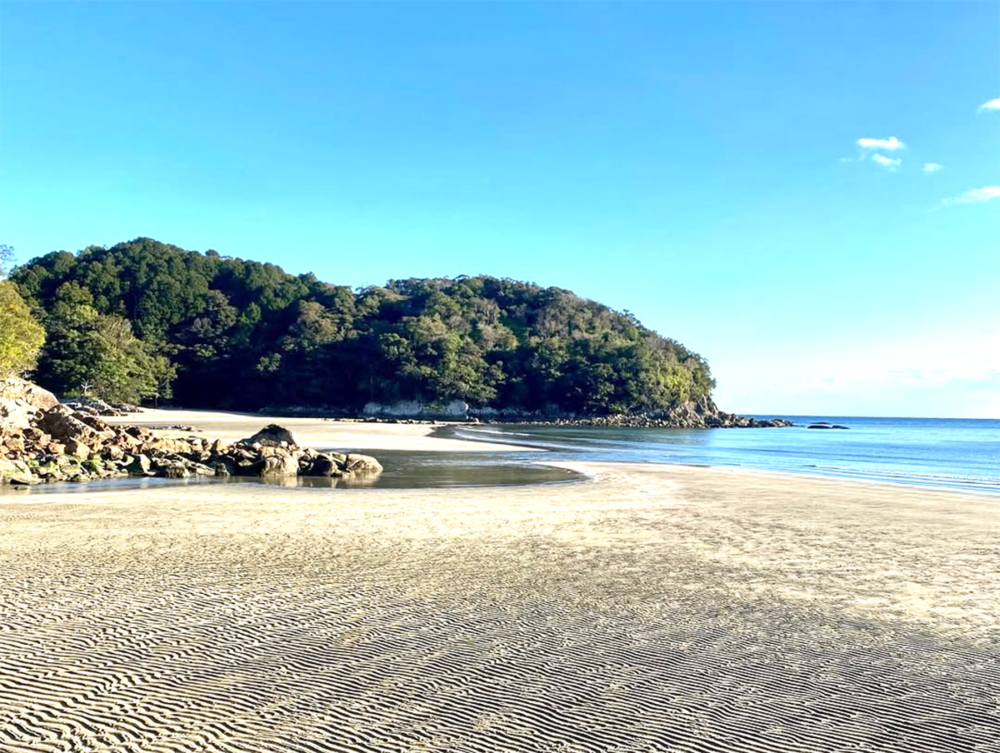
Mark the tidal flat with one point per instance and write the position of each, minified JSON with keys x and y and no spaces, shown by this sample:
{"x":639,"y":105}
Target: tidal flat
{"x":647,"y":608}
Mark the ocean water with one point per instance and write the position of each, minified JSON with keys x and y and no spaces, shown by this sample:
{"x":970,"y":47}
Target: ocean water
{"x":945,"y":453}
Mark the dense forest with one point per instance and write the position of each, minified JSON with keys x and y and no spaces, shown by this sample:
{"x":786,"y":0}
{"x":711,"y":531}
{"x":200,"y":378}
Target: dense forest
{"x":148,"y":321}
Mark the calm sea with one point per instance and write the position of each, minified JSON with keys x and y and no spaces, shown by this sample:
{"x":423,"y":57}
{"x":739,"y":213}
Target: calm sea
{"x":947,"y":453}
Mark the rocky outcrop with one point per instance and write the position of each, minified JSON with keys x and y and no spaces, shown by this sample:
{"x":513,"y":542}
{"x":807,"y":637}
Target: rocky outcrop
{"x":454,"y":409}
{"x":273,"y":435}
{"x":700,"y":414}
{"x":94,"y":407}
{"x":61,"y":444}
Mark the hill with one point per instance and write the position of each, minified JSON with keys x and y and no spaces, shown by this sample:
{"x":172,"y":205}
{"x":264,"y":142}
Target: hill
{"x":144,"y":320}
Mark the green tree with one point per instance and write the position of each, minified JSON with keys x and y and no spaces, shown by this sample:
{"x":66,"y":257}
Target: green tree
{"x":227,"y":332}
{"x":21,"y":337}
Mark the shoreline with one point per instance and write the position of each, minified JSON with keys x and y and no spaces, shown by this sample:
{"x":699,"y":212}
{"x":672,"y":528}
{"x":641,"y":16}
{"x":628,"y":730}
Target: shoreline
{"x":433,"y":437}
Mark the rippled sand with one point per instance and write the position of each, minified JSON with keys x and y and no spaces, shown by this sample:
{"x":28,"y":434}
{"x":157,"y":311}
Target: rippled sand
{"x":653,"y":609}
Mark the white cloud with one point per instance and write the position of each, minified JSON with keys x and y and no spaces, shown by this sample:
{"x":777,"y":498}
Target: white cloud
{"x":976,"y":195}
{"x":890,"y":144}
{"x":886,"y":162}
{"x":932,"y":167}
{"x":846,"y":159}
{"x":993,"y":104}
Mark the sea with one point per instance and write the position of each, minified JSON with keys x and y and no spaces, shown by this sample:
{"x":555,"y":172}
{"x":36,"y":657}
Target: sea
{"x":957,"y":454}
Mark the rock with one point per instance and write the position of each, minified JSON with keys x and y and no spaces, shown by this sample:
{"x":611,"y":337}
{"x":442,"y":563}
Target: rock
{"x":272,"y":435}
{"x":175,"y":470}
{"x":63,"y":444}
{"x":77,"y":449}
{"x":362,"y":464}
{"x":16,"y":415}
{"x":92,"y":406}
{"x":455,"y":409}
{"x":819,"y":425}
{"x":140,"y":465}
{"x":63,"y":425}
{"x":28,"y":393}
{"x":325,"y":465}
{"x":278,"y":465}
{"x":15,"y":472}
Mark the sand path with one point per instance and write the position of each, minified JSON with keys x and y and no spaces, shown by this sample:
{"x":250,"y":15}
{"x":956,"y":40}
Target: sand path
{"x":652,"y":609}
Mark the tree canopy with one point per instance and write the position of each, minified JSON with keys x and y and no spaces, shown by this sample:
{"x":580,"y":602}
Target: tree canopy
{"x":21,"y":337}
{"x":142,"y":318}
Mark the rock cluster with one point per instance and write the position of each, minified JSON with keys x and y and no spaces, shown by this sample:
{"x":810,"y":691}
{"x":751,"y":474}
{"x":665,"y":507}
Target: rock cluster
{"x":95,"y":407}
{"x":642,"y":421}
{"x":700,"y":414}
{"x":58,"y":443}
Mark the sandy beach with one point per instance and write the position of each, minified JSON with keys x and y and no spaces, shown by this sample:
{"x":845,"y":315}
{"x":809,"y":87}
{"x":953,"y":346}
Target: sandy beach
{"x":649,"y":608}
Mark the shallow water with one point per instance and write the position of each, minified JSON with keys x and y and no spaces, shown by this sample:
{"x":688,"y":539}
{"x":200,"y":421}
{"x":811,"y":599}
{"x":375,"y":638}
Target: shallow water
{"x":946,"y":453}
{"x":403,"y":470}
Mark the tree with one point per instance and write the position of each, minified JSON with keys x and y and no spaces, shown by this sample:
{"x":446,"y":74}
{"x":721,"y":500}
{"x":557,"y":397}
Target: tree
{"x":146,"y":319}
{"x":21,"y":337}
{"x":6,"y":259}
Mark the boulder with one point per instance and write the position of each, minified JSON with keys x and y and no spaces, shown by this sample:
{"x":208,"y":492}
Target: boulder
{"x":278,"y":465}
{"x":28,"y":393}
{"x":362,"y":464}
{"x":325,"y":465}
{"x":62,"y":425}
{"x":77,"y":448}
{"x":15,"y":472}
{"x":139,"y":465}
{"x":272,"y":435}
{"x":16,"y":415}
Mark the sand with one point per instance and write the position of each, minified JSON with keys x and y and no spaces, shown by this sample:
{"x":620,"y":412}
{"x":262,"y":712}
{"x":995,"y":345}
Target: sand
{"x":312,"y":432}
{"x":651,"y":608}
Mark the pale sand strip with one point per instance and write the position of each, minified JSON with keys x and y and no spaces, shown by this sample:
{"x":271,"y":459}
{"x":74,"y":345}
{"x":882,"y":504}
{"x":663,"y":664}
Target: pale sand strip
{"x":312,"y":432}
{"x":653,"y":609}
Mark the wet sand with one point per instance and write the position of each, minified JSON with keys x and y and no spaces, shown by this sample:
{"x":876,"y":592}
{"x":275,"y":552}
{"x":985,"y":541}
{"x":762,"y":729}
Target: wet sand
{"x":652,"y":608}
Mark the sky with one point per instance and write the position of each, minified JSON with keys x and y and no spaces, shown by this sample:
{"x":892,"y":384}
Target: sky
{"x":807,"y":194}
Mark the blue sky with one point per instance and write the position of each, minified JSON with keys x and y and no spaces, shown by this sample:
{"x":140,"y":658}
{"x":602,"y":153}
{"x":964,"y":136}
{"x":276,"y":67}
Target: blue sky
{"x":727,"y":172}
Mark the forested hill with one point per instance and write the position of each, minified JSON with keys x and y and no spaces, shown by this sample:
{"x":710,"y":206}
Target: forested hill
{"x":146,"y":320}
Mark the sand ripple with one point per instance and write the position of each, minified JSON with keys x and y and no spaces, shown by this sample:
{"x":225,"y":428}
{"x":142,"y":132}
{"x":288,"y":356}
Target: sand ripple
{"x":653,"y":611}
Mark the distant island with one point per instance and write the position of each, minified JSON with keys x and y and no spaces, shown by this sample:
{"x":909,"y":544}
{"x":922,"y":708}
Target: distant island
{"x":145,"y":321}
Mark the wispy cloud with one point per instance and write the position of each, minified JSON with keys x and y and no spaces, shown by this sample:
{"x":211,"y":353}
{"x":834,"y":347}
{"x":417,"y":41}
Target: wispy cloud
{"x":976,"y":195}
{"x":890,"y":144}
{"x":886,"y":162}
{"x":993,"y":104}
{"x":932,"y":167}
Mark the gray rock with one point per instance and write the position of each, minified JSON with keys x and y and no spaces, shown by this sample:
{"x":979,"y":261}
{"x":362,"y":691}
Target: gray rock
{"x":278,"y":465}
{"x":272,"y":435}
{"x":362,"y":464}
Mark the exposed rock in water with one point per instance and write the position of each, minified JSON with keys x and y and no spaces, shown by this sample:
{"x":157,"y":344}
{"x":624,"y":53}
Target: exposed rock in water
{"x":58,"y":443}
{"x":362,"y":464}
